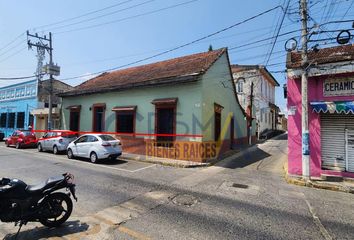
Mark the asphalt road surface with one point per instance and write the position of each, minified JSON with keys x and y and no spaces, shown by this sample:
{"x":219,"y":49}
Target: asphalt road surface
{"x":243,"y":197}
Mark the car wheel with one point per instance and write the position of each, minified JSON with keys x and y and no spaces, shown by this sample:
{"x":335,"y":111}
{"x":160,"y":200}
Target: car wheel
{"x":70,"y":154}
{"x":93,"y":157}
{"x":39,"y":147}
{"x":7,"y":144}
{"x":55,"y":150}
{"x":18,"y":145}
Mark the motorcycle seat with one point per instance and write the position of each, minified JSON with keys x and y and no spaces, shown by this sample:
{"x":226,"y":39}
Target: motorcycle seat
{"x":50,"y":182}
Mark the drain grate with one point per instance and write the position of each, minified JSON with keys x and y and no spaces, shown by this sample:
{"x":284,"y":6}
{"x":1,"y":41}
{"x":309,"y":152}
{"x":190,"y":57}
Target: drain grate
{"x":238,"y":185}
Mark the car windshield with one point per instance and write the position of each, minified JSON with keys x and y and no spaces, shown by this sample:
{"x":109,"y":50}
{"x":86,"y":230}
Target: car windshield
{"x":107,"y":137}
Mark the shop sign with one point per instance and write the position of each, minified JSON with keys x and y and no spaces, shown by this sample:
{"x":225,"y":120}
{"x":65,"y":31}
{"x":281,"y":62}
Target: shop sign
{"x":338,"y":87}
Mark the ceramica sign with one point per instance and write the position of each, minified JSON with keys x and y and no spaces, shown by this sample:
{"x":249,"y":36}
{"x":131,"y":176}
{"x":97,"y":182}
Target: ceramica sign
{"x":338,"y":87}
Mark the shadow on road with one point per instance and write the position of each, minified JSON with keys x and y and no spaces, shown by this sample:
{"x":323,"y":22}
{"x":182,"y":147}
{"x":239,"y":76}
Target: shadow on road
{"x":71,"y":227}
{"x":102,"y":161}
{"x":245,"y":159}
{"x":281,"y":137}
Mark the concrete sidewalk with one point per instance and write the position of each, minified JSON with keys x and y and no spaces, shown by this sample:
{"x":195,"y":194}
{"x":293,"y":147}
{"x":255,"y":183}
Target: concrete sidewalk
{"x":333,"y":184}
{"x":189,"y":164}
{"x":163,"y":161}
{"x":101,"y":225}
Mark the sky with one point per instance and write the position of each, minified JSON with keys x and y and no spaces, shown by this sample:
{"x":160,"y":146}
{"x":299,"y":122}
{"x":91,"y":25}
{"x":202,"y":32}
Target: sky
{"x":93,"y":36}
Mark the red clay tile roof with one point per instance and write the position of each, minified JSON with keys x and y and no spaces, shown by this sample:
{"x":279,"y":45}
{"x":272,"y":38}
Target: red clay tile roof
{"x":178,"y":70}
{"x":325,"y":55}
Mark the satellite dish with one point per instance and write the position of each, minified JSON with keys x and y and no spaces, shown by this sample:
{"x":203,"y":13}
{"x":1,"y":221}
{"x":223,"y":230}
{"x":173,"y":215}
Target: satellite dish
{"x":344,"y":37}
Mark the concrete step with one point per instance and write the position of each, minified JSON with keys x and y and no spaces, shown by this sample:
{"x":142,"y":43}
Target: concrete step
{"x":331,"y":178}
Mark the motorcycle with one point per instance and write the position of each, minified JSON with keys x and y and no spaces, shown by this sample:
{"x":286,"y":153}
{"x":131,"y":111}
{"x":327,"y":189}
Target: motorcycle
{"x":22,"y":203}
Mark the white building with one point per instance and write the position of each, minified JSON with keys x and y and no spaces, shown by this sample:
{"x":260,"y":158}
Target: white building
{"x":264,"y":109}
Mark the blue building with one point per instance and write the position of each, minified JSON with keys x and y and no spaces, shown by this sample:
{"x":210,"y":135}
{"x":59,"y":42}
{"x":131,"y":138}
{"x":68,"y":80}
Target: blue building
{"x":16,"y":103}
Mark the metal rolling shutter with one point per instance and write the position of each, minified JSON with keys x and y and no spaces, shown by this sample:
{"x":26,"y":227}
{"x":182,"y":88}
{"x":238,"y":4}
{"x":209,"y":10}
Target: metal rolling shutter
{"x":350,"y":150}
{"x":333,"y":139}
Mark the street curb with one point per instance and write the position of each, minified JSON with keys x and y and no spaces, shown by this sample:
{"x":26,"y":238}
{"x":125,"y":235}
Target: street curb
{"x":190,"y":164}
{"x":168,"y":164}
{"x":295,"y":180}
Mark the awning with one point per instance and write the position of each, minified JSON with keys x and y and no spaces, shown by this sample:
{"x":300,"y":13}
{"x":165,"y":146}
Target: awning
{"x":333,"y":107}
{"x":74,"y":107}
{"x":124,"y":108}
{"x":163,"y":101}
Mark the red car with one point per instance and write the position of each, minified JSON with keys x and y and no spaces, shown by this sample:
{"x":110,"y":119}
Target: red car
{"x":21,"y":138}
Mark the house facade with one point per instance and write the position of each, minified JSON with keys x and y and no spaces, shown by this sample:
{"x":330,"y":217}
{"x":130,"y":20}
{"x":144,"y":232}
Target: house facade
{"x":282,"y":122}
{"x":16,"y":103}
{"x":26,"y":104}
{"x":182,"y":108}
{"x":265,"y":112}
{"x":41,"y":112}
{"x":330,"y":111}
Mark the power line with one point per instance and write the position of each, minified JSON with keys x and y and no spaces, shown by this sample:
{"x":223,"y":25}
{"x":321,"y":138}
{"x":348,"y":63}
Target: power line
{"x":12,"y":41}
{"x":127,"y":18}
{"x":262,"y":40}
{"x":10,"y":49}
{"x":84,"y":15}
{"x":17,"y":78}
{"x":178,"y":47}
{"x":15,"y":53}
{"x":276,"y":37}
{"x":100,"y":16}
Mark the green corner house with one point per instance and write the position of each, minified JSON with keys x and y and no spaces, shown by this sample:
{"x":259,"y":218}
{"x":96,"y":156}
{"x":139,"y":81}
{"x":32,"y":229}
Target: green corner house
{"x":176,"y":108}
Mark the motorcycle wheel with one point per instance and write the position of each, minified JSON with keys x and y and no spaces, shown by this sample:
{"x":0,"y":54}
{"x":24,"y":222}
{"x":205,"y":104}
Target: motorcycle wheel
{"x":59,"y":206}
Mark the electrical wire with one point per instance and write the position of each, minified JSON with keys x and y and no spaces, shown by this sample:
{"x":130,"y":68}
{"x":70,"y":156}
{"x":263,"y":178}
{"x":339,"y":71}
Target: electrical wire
{"x":10,"y":49}
{"x":18,"y":78}
{"x":127,"y":18}
{"x":262,"y":40}
{"x":12,"y":41}
{"x":276,"y":37}
{"x":100,"y":16}
{"x":178,"y":47}
{"x":14,"y":54}
{"x":83,"y":15}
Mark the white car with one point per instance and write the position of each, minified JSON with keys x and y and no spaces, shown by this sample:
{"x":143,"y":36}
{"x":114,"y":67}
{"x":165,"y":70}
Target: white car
{"x":56,"y":141}
{"x":95,"y":147}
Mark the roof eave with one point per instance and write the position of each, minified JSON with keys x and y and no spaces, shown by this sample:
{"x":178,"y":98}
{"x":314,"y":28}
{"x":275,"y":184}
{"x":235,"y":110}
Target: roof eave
{"x":152,"y":83}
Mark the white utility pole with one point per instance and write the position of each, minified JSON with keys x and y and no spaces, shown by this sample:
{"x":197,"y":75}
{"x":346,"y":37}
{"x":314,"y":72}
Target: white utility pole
{"x":304,"y":93}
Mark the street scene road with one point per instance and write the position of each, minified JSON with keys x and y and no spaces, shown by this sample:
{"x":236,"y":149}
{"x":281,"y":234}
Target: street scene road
{"x":179,"y":119}
{"x":244,"y":196}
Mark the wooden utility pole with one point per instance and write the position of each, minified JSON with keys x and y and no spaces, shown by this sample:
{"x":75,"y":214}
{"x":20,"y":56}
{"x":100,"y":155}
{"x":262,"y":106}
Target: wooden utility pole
{"x":251,"y":113}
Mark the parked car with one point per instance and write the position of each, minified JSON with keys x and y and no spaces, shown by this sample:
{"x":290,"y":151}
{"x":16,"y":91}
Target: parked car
{"x":21,"y":138}
{"x":2,"y":135}
{"x":56,"y":141}
{"x":95,"y":147}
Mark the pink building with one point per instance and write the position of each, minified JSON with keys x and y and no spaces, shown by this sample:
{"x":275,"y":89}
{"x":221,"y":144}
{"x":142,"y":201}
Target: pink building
{"x":331,"y":112}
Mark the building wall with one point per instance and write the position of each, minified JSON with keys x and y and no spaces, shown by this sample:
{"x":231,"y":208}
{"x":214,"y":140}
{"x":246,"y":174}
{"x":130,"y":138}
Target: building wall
{"x":58,"y":87}
{"x":217,"y":88}
{"x":264,"y":93}
{"x":15,"y":98}
{"x":195,"y":109}
{"x":189,"y":97}
{"x":315,"y":90}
